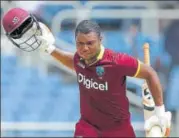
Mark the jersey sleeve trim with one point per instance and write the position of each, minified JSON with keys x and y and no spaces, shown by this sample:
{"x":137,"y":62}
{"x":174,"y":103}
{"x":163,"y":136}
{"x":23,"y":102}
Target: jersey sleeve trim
{"x":100,"y":56}
{"x":138,"y":69}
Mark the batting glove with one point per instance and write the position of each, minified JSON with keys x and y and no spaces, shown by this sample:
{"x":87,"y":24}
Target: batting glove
{"x":161,"y":119}
{"x":47,"y":39}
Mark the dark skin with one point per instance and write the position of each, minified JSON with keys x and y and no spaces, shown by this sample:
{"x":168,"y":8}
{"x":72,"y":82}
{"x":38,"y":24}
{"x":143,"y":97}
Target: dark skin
{"x":149,"y":74}
{"x":88,"y":47}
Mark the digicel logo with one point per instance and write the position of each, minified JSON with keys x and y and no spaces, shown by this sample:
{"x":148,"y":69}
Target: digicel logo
{"x":90,"y":83}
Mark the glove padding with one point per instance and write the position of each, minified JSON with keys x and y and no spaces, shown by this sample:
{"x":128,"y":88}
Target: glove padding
{"x":47,"y":39}
{"x":164,"y":122}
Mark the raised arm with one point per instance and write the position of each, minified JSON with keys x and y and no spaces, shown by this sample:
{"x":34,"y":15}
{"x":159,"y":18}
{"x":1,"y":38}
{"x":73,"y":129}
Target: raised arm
{"x":47,"y":39}
{"x":66,"y":58}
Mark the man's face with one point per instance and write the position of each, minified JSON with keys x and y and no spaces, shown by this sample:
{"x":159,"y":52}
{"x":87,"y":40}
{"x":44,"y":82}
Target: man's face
{"x":87,"y":44}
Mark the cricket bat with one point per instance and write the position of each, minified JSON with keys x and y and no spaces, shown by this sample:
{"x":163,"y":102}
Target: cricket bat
{"x":148,"y":102}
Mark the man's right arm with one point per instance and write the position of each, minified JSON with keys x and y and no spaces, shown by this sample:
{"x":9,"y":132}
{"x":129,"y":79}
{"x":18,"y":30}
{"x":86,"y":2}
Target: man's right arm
{"x":66,"y":58}
{"x":47,"y":45}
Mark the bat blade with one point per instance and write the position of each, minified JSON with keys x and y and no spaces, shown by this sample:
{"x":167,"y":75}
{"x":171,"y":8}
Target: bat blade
{"x":148,"y":102}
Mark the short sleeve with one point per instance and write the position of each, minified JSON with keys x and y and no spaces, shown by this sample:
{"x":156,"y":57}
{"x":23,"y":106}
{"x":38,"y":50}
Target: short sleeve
{"x":128,"y":65}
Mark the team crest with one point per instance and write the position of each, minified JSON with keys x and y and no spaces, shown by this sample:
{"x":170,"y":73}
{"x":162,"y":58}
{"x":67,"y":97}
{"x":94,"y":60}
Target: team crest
{"x":15,"y":20}
{"x":100,"y":71}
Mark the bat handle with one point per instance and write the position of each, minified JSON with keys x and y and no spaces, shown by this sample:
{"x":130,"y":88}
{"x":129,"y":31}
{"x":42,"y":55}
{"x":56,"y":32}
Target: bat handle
{"x":146,"y":54}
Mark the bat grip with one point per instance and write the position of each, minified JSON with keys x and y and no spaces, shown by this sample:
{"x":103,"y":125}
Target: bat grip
{"x":146,"y":54}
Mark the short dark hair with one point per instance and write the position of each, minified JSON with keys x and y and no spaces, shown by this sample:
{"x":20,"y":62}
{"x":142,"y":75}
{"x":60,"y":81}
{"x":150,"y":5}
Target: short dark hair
{"x":87,"y":26}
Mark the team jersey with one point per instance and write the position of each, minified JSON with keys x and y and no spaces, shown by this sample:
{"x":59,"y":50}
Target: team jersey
{"x":102,"y":85}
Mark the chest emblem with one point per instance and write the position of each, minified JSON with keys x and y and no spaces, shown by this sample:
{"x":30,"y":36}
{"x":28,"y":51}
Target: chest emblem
{"x":100,"y":71}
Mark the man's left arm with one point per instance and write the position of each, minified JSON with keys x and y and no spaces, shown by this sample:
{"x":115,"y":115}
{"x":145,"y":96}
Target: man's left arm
{"x":132,"y":67}
{"x":149,"y":74}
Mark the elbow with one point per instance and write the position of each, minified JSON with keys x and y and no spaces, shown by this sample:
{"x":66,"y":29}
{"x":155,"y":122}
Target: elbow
{"x":151,"y":74}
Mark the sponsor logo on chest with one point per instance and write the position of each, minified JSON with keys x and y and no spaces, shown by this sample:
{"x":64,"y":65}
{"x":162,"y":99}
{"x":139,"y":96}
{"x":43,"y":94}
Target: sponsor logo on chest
{"x":89,"y":83}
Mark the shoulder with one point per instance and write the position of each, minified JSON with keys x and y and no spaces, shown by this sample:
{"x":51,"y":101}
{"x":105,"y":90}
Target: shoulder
{"x":116,"y":57}
{"x":123,"y":57}
{"x":110,"y":54}
{"x":127,"y":65}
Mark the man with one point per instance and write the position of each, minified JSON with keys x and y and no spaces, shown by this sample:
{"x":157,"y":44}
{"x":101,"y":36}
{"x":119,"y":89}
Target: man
{"x":101,"y":75}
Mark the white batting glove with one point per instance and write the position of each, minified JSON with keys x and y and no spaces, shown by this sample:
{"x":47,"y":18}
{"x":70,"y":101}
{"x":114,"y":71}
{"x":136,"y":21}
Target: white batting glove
{"x":161,"y":119}
{"x":47,"y":39}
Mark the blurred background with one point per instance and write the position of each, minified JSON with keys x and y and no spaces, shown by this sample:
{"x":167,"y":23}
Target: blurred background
{"x":40,"y":97}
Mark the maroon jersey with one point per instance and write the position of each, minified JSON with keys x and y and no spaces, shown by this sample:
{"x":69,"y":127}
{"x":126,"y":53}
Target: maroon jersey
{"x":103,"y":101}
